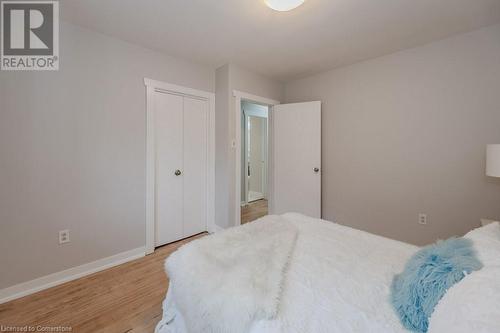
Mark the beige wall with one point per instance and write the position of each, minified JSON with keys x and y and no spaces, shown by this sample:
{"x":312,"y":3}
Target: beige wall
{"x":222,"y":104}
{"x":228,"y":78}
{"x":72,"y":147}
{"x":406,"y":133}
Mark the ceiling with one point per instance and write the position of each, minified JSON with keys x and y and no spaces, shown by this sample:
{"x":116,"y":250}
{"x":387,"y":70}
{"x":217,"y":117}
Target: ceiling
{"x":319,"y":35}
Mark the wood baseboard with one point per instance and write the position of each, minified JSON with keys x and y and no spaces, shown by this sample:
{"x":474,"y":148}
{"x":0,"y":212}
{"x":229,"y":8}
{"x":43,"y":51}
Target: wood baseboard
{"x":52,"y":280}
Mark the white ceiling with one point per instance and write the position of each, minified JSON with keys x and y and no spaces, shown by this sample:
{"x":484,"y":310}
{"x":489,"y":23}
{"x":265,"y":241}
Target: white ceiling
{"x":319,"y":35}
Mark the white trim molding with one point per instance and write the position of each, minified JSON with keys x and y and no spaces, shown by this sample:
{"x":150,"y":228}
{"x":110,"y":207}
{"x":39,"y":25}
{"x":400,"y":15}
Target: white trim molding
{"x":153,"y":86}
{"x":254,"y":98}
{"x":52,"y":280}
{"x":242,"y":96}
{"x":175,"y":89}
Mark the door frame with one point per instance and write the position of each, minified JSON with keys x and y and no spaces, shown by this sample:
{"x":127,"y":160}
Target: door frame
{"x":264,"y":156}
{"x":153,"y":86}
{"x":240,"y":96}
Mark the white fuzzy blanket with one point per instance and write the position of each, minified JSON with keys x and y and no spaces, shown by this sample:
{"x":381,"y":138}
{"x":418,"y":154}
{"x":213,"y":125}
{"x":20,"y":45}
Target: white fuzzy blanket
{"x":226,"y":281}
{"x":337,"y":280}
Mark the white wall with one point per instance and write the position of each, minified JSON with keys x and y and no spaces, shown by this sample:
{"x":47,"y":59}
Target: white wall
{"x":228,"y":78}
{"x":72,"y":147}
{"x":406,"y":133}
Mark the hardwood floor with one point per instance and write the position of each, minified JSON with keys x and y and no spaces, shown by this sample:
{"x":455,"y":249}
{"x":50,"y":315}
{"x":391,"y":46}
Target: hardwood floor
{"x":125,"y":298}
{"x":253,"y":211}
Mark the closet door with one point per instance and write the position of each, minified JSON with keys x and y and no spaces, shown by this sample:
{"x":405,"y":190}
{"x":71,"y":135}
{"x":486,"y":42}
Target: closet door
{"x":195,"y":166}
{"x":169,"y":158}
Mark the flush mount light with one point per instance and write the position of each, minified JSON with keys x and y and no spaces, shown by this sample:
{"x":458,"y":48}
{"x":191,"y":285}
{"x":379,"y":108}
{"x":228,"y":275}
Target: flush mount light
{"x":283,"y":5}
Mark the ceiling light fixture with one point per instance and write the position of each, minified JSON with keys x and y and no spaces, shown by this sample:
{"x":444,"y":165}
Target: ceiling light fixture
{"x":283,"y":5}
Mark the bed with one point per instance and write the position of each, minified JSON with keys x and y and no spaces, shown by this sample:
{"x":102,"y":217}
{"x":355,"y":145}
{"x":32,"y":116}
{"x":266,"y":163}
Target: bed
{"x":288,"y":273}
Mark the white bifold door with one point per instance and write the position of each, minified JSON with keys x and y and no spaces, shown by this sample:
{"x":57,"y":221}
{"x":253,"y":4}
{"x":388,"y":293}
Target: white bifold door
{"x":296,"y":137}
{"x":180,"y":166}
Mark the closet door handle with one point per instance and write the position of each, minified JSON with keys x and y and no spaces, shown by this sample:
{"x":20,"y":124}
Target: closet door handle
{"x":177,"y":172}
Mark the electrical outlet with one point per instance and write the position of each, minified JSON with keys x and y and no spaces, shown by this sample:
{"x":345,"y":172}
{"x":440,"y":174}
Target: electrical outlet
{"x":63,"y":236}
{"x":422,"y":218}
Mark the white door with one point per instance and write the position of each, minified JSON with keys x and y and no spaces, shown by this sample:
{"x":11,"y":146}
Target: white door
{"x":180,"y":166}
{"x":194,"y":173}
{"x":296,"y":138}
{"x":169,"y":158}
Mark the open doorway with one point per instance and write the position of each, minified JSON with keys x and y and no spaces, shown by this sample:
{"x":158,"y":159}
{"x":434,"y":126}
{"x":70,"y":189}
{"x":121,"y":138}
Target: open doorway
{"x":254,"y":161}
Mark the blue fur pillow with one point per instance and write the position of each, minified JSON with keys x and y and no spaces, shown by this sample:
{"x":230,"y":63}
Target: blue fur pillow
{"x":426,"y":278}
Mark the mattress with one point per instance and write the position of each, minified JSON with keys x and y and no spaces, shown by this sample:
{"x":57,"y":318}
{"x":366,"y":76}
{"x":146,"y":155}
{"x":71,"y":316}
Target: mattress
{"x":337,"y":280}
